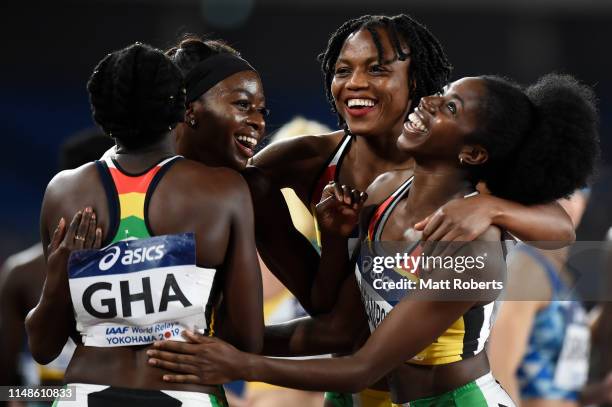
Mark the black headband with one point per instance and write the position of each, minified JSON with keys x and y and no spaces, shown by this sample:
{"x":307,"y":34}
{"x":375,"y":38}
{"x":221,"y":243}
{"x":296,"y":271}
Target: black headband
{"x":211,"y":71}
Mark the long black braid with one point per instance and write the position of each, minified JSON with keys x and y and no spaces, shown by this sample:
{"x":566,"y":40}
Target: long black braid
{"x":429,"y":67}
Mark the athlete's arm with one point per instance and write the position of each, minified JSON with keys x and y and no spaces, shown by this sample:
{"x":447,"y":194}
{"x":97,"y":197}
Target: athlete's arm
{"x":398,"y":338}
{"x":335,"y":332}
{"x":546,"y":226}
{"x":514,"y":321}
{"x":11,"y":322}
{"x":293,"y":163}
{"x":51,"y":322}
{"x":242,"y":287}
{"x":286,"y":252}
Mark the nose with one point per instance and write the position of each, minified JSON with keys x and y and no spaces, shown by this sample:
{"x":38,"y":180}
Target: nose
{"x":357,"y":80}
{"x":431,"y":103}
{"x":256,"y":121}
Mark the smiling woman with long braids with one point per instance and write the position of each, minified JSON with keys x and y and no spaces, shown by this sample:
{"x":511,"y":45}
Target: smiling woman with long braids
{"x":143,"y":194}
{"x":375,"y":70}
{"x":431,"y":348}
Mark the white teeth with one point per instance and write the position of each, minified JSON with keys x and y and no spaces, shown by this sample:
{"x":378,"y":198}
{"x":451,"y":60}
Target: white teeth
{"x":360,"y":102}
{"x":416,"y":122}
{"x":249,"y":140}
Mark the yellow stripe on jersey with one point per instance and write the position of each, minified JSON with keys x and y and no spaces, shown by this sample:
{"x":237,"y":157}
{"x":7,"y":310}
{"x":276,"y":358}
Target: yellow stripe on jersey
{"x":132,"y":204}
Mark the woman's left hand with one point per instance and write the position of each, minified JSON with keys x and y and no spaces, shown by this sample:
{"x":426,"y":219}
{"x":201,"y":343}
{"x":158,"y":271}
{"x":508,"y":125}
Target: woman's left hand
{"x":459,"y":220}
{"x":201,"y":360}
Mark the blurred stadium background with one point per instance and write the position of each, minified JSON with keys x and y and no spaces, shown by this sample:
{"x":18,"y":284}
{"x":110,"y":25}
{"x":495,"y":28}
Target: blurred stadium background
{"x":50,"y":48}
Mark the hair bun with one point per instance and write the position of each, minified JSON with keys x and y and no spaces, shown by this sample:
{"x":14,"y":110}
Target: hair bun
{"x":136,"y":94}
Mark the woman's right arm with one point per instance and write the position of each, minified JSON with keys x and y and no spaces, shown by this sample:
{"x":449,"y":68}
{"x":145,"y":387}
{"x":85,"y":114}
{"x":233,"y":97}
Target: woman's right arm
{"x":514,"y":321}
{"x":338,"y":331}
{"x":50,"y":323}
{"x":295,"y":164}
{"x":242,"y":287}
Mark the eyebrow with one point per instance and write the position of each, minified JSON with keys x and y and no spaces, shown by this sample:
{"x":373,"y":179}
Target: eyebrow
{"x":370,"y":60}
{"x":242,"y":90}
{"x":455,"y":96}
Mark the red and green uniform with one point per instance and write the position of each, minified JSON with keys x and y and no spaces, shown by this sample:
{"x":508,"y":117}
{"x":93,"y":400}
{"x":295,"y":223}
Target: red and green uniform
{"x":128,"y":197}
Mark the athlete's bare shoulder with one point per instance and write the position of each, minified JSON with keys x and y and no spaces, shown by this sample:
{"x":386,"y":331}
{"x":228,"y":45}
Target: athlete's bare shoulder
{"x":296,"y":148}
{"x":22,"y":275}
{"x":295,"y":162}
{"x":385,"y":184}
{"x":70,"y":180}
{"x":195,"y":183}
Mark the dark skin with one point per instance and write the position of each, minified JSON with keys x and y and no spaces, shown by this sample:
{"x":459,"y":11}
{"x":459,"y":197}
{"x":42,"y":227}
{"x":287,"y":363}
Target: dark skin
{"x":21,"y":282}
{"x":224,"y":124}
{"x":439,"y":177}
{"x":296,"y":163}
{"x":219,"y":213}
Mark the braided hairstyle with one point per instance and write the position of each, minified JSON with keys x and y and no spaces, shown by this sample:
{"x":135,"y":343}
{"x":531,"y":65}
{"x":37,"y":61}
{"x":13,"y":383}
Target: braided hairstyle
{"x":429,"y":67}
{"x":136,"y":95}
{"x":192,"y":50}
{"x":542,"y":141}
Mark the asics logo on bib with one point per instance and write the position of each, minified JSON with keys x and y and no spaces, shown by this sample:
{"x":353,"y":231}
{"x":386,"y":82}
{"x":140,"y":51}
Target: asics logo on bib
{"x":139,"y":255}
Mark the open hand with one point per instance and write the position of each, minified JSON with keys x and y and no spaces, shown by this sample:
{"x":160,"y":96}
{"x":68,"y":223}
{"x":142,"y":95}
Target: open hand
{"x":201,"y":360}
{"x":83,"y":233}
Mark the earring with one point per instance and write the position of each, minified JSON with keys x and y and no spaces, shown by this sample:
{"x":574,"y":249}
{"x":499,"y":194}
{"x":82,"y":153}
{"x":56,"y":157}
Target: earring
{"x":192,"y":123}
{"x":461,"y":160}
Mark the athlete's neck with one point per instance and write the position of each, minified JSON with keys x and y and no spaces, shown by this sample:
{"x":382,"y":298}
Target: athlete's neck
{"x":433,"y":186}
{"x":137,"y":159}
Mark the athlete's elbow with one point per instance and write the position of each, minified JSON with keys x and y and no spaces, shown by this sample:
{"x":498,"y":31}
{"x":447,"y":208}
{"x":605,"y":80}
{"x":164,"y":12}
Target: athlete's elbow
{"x":40,"y":345}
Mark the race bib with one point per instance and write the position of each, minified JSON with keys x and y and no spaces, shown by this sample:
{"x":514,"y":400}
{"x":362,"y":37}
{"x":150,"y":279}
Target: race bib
{"x":572,"y":368}
{"x":135,"y":292}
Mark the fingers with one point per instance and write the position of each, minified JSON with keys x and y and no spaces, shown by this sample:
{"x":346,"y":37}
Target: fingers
{"x":182,"y":379}
{"x":81,"y":233}
{"x":90,"y":237}
{"x":175,"y":346}
{"x":194,"y":337}
{"x":69,"y":237}
{"x":338,"y":192}
{"x":174,"y":367}
{"x":434,"y":222}
{"x":58,"y":234}
{"x":171,"y":356}
{"x":98,"y":239}
{"x":420,"y":226}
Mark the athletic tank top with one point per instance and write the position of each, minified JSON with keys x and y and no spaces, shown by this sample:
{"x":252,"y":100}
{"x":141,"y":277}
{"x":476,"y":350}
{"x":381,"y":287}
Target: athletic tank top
{"x":140,"y":288}
{"x":466,"y":337}
{"x":555,"y":364}
{"x":329,"y":173}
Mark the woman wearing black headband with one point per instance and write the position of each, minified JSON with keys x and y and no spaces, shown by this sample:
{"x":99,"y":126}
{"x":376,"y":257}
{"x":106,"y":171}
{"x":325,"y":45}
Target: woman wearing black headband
{"x":226,"y":107}
{"x":144,"y":197}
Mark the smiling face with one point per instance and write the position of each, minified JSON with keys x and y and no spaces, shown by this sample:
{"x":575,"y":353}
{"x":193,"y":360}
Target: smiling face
{"x":230,"y":121}
{"x":371,"y":97}
{"x":439,"y":125}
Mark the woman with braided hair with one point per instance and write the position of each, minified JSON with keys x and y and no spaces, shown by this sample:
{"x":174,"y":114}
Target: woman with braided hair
{"x":375,"y":69}
{"x":429,"y":339}
{"x":172,"y":252}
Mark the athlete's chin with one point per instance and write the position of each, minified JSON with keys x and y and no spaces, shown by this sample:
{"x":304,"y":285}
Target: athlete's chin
{"x":365,"y":129}
{"x":409,"y":143}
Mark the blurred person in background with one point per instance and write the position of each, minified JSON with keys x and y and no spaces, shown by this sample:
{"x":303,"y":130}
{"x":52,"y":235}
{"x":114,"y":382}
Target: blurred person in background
{"x":22,"y":278}
{"x":540,"y":318}
{"x":540,"y":343}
